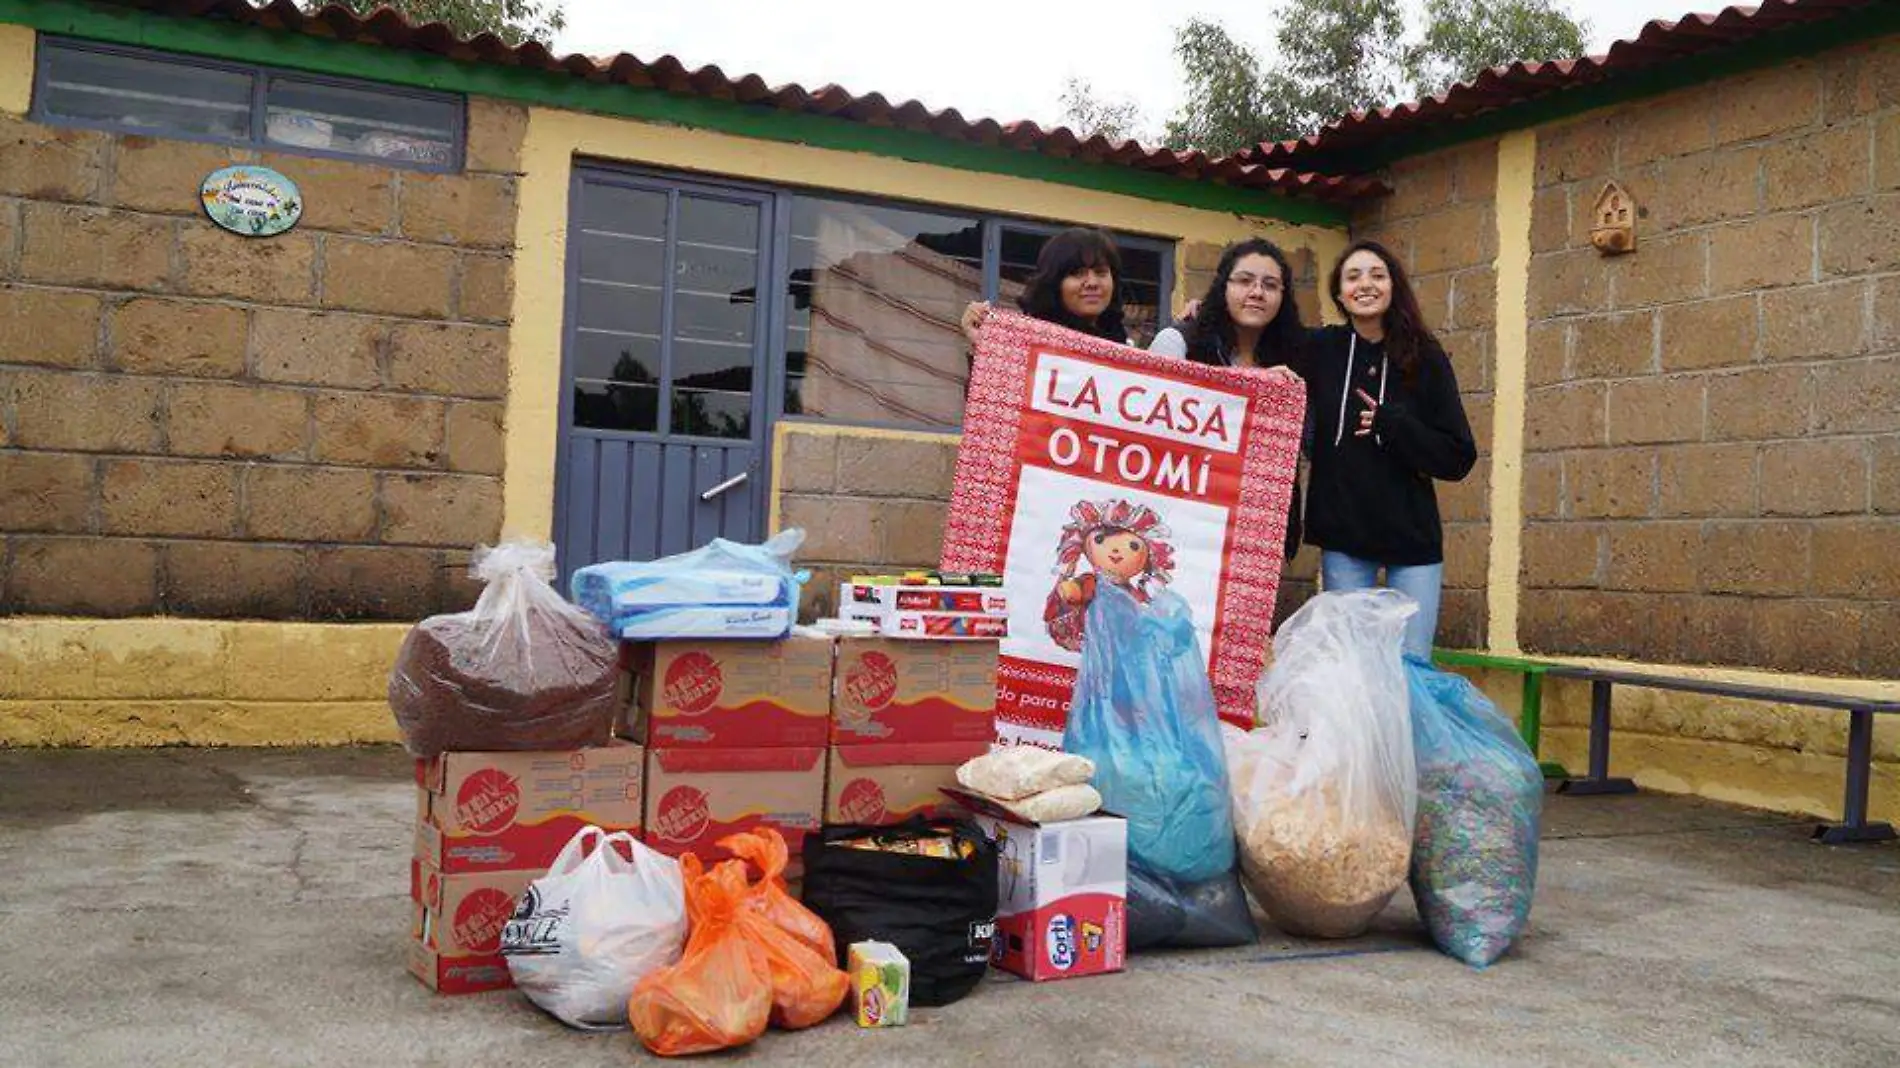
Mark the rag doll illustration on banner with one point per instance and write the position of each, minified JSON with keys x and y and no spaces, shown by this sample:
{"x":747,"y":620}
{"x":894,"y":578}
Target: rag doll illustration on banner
{"x":1121,"y":542}
{"x":1143,"y":710}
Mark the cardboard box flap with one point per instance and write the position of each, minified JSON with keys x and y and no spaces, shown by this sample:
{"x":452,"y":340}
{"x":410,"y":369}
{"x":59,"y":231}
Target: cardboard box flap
{"x":984,"y":805}
{"x":686,"y":761}
{"x":909,"y":754}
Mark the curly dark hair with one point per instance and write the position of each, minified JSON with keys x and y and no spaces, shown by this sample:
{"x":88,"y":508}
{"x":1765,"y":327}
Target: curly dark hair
{"x":1406,"y":335}
{"x":1063,"y":255}
{"x":1211,"y":332}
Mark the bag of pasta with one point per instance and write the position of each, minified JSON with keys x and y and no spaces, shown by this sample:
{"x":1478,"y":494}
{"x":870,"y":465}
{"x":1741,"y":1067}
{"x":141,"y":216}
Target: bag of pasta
{"x":1324,"y":790}
{"x":1480,"y":799}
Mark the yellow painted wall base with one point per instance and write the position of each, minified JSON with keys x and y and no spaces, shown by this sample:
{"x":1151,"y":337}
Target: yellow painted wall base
{"x":141,"y":682}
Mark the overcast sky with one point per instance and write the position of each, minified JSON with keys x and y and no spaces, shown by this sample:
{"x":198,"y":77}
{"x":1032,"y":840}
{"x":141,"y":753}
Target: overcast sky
{"x":1001,"y":59}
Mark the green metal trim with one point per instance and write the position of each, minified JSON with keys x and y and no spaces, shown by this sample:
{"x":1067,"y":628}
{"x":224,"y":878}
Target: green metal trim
{"x":203,"y":37}
{"x":1466,"y":658}
{"x":1850,"y":27}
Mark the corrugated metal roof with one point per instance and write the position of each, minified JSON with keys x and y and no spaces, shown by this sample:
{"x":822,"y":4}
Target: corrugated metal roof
{"x":389,"y":29}
{"x":1658,"y":44}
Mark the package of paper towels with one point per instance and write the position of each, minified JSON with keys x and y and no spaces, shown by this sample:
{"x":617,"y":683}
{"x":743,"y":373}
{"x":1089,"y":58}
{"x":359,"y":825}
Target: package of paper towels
{"x":722,"y":590}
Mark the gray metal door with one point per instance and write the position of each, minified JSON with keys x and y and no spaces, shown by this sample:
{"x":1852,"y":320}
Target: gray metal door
{"x":663,"y":407}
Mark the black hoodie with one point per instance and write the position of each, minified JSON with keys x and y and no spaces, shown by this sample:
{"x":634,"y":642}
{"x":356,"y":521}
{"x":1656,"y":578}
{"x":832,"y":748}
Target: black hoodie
{"x":1371,"y":497}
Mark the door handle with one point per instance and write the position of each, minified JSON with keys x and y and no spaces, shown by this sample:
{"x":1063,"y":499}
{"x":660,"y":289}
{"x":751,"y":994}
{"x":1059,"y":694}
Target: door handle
{"x":724,"y":486}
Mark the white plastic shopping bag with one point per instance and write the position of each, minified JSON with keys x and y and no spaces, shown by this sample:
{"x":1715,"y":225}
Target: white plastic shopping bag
{"x":587,"y":931}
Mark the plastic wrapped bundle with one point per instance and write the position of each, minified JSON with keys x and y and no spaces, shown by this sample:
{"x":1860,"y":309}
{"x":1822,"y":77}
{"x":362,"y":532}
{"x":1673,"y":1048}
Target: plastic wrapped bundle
{"x":721,"y":590}
{"x":1480,"y":801}
{"x":1323,"y":790}
{"x":1144,"y":713}
{"x":522,"y":670}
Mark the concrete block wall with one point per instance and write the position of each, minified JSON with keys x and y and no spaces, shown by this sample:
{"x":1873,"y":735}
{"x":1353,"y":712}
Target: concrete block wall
{"x":1712,"y":468}
{"x":200,"y":424}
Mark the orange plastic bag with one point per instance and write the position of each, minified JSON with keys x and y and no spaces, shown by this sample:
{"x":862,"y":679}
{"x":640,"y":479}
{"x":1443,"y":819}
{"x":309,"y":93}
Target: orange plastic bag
{"x":720,"y":993}
{"x":807,"y":986}
{"x":767,"y":851}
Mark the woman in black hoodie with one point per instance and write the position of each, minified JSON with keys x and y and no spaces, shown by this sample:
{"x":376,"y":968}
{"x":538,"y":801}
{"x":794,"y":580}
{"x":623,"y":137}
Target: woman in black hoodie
{"x":1387,"y":420}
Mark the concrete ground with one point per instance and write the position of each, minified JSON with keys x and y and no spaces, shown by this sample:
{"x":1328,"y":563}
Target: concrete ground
{"x":247,"y":907}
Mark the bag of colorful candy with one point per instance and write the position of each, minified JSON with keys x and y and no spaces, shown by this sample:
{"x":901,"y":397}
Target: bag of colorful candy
{"x":1480,"y":799}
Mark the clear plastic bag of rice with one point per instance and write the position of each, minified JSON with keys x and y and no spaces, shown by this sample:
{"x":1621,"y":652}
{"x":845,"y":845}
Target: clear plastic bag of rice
{"x":1325,"y":788}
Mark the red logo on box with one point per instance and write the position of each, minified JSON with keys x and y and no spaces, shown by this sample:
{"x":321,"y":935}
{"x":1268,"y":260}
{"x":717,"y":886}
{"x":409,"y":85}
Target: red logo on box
{"x":479,"y":919}
{"x":487,"y":801}
{"x":862,"y":801}
{"x":683,"y":815}
{"x":873,"y":683}
{"x":693,"y":683}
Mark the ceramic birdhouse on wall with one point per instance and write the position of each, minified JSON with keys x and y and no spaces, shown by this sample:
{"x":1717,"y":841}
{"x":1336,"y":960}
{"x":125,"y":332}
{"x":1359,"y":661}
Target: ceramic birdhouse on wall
{"x":1613,"y":221}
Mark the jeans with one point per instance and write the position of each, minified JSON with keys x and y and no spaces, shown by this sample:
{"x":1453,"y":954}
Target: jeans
{"x":1420,"y":582}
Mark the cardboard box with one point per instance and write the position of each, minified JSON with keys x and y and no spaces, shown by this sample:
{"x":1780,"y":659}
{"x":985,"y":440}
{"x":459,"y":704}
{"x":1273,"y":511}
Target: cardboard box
{"x":455,"y":940}
{"x":697,"y":796}
{"x":733,"y":694}
{"x":1062,"y":908}
{"x":889,"y":691}
{"x":511,"y":811}
{"x":891,"y":783}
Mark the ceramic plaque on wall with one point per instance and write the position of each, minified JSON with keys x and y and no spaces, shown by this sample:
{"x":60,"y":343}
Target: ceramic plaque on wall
{"x":253,"y":201}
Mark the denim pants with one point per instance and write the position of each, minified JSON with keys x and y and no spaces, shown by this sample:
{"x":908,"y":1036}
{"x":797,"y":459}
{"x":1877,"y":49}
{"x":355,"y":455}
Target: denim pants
{"x":1420,"y":582}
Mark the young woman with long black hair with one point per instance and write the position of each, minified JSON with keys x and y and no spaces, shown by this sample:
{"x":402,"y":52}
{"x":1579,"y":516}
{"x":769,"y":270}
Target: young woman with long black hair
{"x":1247,"y":318}
{"x":1387,"y":421}
{"x":1077,"y":283}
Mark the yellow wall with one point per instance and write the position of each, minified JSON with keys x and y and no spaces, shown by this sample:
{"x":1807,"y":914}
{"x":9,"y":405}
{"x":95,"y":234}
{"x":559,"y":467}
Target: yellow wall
{"x":139,"y":682}
{"x":556,"y":138}
{"x":1517,"y":163}
{"x":16,"y":69}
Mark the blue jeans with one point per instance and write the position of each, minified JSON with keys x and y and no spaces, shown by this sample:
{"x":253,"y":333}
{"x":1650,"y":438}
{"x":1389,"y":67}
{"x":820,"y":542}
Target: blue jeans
{"x":1420,"y":582}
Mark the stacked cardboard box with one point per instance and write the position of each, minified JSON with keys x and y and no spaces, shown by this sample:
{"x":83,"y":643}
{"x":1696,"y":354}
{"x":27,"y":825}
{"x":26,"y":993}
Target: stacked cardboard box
{"x":904,"y":715}
{"x":488,"y":824}
{"x":735,"y":734}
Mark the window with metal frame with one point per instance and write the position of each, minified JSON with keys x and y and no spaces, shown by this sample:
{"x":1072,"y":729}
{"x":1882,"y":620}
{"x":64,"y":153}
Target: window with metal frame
{"x":876,"y":292}
{"x":163,"y":94}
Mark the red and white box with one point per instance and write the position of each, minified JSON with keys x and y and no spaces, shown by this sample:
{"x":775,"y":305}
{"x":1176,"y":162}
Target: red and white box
{"x":1067,"y":437}
{"x":858,"y":600}
{"x":455,"y":940}
{"x":944,"y":626}
{"x":1062,"y":902}
{"x":697,"y":796}
{"x":511,"y":811}
{"x":732,"y":694}
{"x":887,"y":691}
{"x":883,"y":784}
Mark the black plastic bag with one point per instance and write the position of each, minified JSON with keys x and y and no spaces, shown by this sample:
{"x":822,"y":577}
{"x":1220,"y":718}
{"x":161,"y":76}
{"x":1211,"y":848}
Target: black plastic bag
{"x":940,"y":912}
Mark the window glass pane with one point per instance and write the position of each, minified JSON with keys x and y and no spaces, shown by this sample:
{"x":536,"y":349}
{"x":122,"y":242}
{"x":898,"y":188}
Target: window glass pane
{"x":712,"y":414}
{"x":379,"y":124}
{"x":142,"y":93}
{"x":616,"y":357}
{"x":616,"y":406}
{"x":876,"y":293}
{"x":718,"y":224}
{"x":615,"y":209}
{"x":622,"y":259}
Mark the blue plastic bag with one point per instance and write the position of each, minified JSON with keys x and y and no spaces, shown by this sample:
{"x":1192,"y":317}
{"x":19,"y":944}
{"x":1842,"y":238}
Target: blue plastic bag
{"x":1144,"y":712}
{"x":723,"y":589}
{"x":1480,"y":801}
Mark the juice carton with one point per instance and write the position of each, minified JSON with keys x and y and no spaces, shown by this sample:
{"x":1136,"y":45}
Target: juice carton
{"x":880,"y":984}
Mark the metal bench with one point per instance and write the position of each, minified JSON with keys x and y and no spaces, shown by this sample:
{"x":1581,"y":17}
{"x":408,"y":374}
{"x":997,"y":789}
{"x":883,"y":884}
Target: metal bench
{"x":1860,"y":738}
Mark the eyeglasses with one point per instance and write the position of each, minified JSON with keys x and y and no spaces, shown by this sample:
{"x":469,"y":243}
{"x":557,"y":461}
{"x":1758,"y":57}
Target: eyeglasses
{"x":1246,"y":282}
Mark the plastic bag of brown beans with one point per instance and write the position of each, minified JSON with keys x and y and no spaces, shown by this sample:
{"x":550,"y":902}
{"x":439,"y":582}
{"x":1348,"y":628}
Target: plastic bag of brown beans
{"x":522,"y":670}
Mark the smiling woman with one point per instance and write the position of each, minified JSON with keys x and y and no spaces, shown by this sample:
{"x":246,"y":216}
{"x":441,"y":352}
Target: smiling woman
{"x":1387,"y":420}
